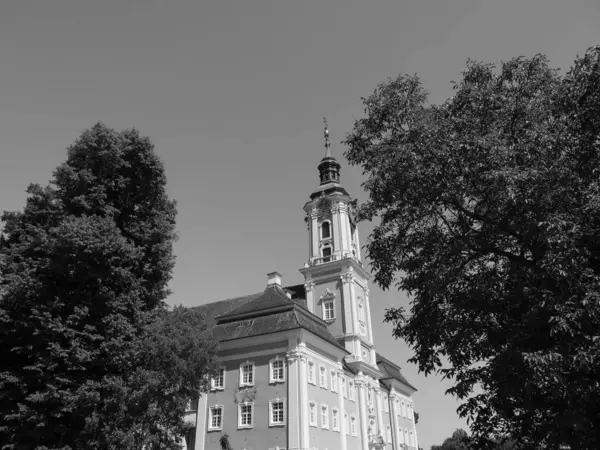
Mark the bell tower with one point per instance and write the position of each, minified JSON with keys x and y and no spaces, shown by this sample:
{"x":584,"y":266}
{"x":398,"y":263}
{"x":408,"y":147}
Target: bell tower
{"x":335,"y":280}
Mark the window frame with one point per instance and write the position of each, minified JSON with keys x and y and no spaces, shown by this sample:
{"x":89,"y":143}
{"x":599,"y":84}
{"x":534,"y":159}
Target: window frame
{"x":272,"y":422}
{"x":240,"y":415}
{"x":347,"y":423}
{"x":353,"y":427}
{"x":221,"y":409}
{"x":279,"y":360}
{"x":327,"y":258}
{"x":335,"y":419}
{"x":351,"y":391}
{"x":322,"y":376}
{"x":404,"y":409}
{"x":213,"y":384}
{"x":388,"y":434}
{"x":386,"y":403}
{"x":329,"y":228}
{"x":312,"y":407}
{"x":324,"y":413}
{"x":312,"y":376}
{"x":328,"y":306}
{"x":333,"y":380}
{"x":242,"y":365}
{"x":343,"y":382}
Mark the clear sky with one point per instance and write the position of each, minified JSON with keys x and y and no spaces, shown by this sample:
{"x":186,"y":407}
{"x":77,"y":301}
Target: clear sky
{"x":232,"y":93}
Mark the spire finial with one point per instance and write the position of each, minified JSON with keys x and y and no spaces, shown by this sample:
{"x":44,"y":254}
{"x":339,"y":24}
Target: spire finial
{"x":327,"y":143}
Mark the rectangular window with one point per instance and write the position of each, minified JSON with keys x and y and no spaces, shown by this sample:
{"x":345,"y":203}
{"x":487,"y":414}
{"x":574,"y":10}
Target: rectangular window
{"x":386,"y":403}
{"x":218,"y":382}
{"x":328,"y":310}
{"x":245,"y":415}
{"x":410,"y":438}
{"x":323,"y":377}
{"x":277,"y":412}
{"x":347,"y":423}
{"x":351,"y":390}
{"x":311,"y":373}
{"x":215,"y":419}
{"x":403,"y":409}
{"x":277,"y":370}
{"x":247,"y":374}
{"x":344,"y":389}
{"x":335,"y":419}
{"x":325,"y":417}
{"x":333,"y":381}
{"x":312,"y":414}
{"x":353,"y":426}
{"x":192,"y":404}
{"x":388,"y":434}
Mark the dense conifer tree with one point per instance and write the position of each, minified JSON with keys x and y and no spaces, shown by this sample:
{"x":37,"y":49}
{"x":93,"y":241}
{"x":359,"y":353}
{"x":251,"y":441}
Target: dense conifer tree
{"x":91,"y":356}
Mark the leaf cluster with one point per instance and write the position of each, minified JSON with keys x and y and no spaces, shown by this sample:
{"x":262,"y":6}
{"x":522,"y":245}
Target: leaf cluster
{"x":91,"y":357}
{"x":488,"y":209}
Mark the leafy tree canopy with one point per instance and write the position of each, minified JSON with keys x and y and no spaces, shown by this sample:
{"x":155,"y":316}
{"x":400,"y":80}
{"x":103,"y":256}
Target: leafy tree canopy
{"x":489,"y":218}
{"x":91,"y":357}
{"x":460,"y":440}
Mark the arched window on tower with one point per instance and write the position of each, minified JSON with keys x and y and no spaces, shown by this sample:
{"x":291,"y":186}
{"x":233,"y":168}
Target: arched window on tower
{"x":325,"y":230}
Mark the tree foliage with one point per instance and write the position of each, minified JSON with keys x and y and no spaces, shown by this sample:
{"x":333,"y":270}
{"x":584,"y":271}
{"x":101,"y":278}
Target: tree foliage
{"x":460,"y":440}
{"x":91,"y":357}
{"x":489,"y":218}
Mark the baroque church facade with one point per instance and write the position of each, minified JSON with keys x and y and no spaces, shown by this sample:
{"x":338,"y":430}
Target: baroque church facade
{"x":299,"y":369}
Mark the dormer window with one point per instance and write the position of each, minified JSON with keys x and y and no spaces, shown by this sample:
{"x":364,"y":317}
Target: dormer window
{"x":328,"y":305}
{"x":325,"y":230}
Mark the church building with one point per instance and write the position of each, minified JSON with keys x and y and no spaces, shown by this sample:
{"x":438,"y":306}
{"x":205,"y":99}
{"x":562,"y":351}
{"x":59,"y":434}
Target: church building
{"x":298,"y":366}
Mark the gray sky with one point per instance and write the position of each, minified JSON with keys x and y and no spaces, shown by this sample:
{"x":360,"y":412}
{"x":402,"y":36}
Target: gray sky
{"x":232,"y":93}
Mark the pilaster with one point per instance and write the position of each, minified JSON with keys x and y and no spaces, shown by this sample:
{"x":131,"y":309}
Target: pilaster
{"x":379,"y":405}
{"x":337,"y":232}
{"x":201,"y":423}
{"x":309,"y":286}
{"x":297,"y":398}
{"x":343,"y":439}
{"x":314,"y":233}
{"x":368,"y":308}
{"x":360,"y":383}
{"x":394,"y":410}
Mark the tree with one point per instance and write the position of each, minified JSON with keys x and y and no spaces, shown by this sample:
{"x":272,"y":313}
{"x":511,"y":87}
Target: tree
{"x":460,"y":440}
{"x":489,"y":218}
{"x":91,"y":356}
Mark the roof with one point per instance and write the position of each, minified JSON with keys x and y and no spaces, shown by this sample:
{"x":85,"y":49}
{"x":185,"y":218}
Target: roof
{"x":392,"y":370}
{"x":263,"y":313}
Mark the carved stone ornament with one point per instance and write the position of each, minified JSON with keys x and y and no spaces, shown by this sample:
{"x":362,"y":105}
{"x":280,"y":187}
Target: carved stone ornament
{"x":309,"y":285}
{"x":324,"y":207}
{"x":347,"y":276}
{"x":327,"y":295}
{"x":296,"y":355}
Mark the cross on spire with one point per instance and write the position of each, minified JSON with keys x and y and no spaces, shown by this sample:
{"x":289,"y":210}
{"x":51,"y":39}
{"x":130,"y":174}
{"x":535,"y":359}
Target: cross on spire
{"x":326,"y":135}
